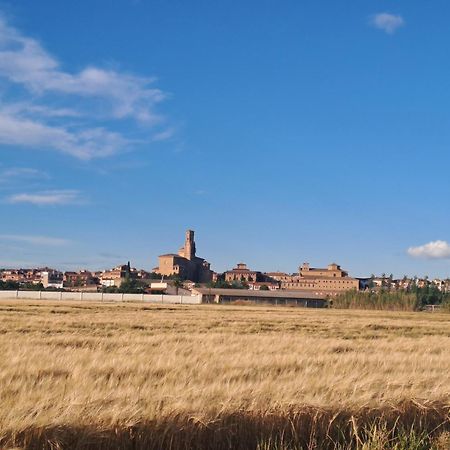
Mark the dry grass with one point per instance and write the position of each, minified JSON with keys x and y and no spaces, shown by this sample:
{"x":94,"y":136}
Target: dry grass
{"x":141,"y":376}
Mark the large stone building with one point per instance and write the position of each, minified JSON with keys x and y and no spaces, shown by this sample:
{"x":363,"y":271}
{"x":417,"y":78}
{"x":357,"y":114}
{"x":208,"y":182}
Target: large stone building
{"x":242,"y":273}
{"x":254,"y":279}
{"x":330,"y":280}
{"x":185,"y":264}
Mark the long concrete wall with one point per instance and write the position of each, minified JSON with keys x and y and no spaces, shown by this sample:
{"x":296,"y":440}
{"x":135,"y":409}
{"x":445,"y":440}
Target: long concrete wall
{"x":100,"y":297}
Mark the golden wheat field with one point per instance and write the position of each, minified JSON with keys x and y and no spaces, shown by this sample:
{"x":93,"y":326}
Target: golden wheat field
{"x":86,"y":375}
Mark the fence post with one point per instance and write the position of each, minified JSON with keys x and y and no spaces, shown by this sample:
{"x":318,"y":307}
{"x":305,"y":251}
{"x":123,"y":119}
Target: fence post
{"x":17,"y":294}
{"x":40,"y":295}
{"x":122,"y":297}
{"x":60,"y":295}
{"x":81,"y":295}
{"x":181,"y":298}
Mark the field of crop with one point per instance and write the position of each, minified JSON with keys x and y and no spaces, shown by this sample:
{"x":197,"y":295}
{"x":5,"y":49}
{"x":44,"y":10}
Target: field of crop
{"x":135,"y":376}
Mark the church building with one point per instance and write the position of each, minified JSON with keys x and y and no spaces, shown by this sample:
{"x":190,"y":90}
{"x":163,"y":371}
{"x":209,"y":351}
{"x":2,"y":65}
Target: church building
{"x":185,"y":264}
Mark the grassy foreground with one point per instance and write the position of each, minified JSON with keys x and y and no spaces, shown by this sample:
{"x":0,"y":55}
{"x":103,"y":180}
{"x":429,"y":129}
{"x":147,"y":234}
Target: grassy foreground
{"x":134,"y":376}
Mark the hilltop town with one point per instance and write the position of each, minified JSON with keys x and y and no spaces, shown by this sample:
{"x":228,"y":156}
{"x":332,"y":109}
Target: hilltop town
{"x":186,"y":271}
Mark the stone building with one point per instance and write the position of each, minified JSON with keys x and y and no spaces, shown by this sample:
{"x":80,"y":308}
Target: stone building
{"x":185,"y":264}
{"x":330,"y":280}
{"x":332,"y":271}
{"x":242,"y":273}
{"x":278,"y":276}
{"x":254,"y":279}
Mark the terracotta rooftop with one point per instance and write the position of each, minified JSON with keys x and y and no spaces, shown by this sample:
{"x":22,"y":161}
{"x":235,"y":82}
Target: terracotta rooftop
{"x":241,"y":271}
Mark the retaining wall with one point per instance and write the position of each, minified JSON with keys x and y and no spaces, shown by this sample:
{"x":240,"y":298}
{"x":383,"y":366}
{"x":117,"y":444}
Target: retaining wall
{"x":101,"y":297}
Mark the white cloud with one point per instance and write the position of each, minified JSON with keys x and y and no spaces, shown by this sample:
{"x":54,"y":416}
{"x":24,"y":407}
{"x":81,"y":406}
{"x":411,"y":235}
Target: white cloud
{"x":389,"y":23}
{"x":34,"y":240}
{"x":432,"y":250}
{"x":84,"y":144}
{"x":24,"y":61}
{"x":92,"y":99}
{"x":47,"y":198}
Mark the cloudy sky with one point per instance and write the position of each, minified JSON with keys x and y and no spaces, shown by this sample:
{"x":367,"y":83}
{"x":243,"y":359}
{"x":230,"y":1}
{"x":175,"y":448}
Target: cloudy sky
{"x":281,"y":132}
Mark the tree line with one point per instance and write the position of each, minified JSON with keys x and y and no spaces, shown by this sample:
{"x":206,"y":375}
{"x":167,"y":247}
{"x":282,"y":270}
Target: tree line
{"x":415,"y":299}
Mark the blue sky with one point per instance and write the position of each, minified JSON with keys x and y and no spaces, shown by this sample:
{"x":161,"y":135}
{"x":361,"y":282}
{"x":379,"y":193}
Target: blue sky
{"x":281,"y":132}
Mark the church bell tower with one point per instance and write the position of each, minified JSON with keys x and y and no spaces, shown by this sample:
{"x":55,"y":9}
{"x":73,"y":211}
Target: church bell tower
{"x":189,"y":245}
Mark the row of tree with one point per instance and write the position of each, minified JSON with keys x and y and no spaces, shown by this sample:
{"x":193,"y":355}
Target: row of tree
{"x":222,"y":284}
{"x":414,"y":300}
{"x":128,"y":286}
{"x":15,"y":286}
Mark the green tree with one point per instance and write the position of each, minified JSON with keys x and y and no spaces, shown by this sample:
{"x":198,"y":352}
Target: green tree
{"x":177,"y":283}
{"x":111,"y":290}
{"x":32,"y":287}
{"x":130,"y":286}
{"x":222,"y":284}
{"x":9,"y":285}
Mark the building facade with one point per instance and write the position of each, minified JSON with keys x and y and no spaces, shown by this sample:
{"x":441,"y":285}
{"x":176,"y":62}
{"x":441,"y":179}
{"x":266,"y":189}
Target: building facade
{"x":242,"y":273}
{"x":52,"y":279}
{"x":331,"y":280}
{"x":116,"y":276}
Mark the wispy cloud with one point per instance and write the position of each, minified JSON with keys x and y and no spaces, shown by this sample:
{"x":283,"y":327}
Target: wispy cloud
{"x":14,"y":263}
{"x":20,"y":173}
{"x":21,"y":107}
{"x":432,"y":250}
{"x":92,"y":100}
{"x":47,"y":198}
{"x":164,"y":135}
{"x":35,"y":240}
{"x":389,"y":23}
{"x":108,"y":255}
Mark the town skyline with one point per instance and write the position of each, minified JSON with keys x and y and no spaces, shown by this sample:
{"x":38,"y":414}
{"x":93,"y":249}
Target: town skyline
{"x":152,"y":268}
{"x":280,"y":133}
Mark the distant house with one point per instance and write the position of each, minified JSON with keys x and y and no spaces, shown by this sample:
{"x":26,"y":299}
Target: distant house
{"x":82,"y":278}
{"x":16,"y":275}
{"x":52,"y":279}
{"x":115,"y":276}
